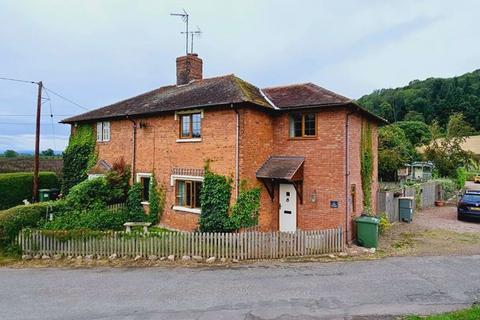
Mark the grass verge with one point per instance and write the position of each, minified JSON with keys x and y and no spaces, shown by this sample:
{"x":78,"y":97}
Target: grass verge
{"x":472,"y":313}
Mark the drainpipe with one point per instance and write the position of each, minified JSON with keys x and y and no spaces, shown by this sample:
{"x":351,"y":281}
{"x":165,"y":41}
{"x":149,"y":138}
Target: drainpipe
{"x":134,"y":146}
{"x":237,"y":153}
{"x":347,"y":175}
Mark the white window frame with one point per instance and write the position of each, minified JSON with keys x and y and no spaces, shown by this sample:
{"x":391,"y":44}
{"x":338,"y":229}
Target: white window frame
{"x":139,"y":177}
{"x":173,"y":179}
{"x":103,"y":131}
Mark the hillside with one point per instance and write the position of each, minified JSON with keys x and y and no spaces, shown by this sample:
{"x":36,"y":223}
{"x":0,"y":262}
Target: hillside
{"x":430,"y":99}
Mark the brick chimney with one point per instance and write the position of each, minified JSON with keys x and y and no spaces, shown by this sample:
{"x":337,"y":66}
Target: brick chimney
{"x":189,"y":68}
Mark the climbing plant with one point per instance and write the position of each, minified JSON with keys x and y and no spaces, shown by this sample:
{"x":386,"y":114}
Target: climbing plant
{"x":156,"y":199}
{"x":366,"y":154}
{"x":78,"y":157}
{"x":246,"y":209}
{"x":215,"y":200}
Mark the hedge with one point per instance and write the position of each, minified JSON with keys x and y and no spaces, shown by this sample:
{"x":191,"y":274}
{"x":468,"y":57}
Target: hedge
{"x":15,"y":187}
{"x":15,"y":219}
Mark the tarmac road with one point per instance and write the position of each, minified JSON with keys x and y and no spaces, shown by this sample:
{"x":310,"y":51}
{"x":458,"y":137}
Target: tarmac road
{"x":339,"y":290}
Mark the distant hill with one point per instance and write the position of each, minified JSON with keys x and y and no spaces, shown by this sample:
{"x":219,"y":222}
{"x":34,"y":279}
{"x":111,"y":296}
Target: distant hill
{"x":430,"y":99}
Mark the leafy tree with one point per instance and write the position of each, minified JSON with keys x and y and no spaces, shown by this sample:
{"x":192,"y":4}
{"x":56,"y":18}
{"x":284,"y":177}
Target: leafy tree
{"x":458,"y":127}
{"x":414,"y":116}
{"x":430,"y":99}
{"x":48,"y":153}
{"x":417,"y":132}
{"x":394,"y":151}
{"x":446,"y":151}
{"x":10,"y":154}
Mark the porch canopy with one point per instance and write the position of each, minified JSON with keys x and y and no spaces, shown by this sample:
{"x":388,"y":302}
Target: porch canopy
{"x":282,"y":169}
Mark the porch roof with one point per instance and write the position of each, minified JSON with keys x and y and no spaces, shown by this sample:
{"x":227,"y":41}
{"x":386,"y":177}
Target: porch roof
{"x":282,"y":168}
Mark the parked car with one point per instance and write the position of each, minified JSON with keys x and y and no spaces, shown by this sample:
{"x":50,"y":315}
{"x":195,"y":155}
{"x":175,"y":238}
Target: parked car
{"x":476,"y":179}
{"x":468,"y":207}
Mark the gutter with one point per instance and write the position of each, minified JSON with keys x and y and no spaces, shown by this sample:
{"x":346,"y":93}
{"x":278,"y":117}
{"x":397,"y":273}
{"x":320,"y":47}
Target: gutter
{"x":347,"y":175}
{"x":134,"y":146}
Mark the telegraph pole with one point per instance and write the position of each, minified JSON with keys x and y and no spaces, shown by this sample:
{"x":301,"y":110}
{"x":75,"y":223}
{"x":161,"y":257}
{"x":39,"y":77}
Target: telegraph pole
{"x":37,"y":144}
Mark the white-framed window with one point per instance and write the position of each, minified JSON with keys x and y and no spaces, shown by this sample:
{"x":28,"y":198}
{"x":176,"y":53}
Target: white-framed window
{"x":103,"y":131}
{"x":187,"y":193}
{"x":145,"y":179}
{"x":190,"y":125}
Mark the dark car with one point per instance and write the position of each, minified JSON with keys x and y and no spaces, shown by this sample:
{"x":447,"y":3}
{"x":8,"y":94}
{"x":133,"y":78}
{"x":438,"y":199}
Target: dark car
{"x":468,"y":207}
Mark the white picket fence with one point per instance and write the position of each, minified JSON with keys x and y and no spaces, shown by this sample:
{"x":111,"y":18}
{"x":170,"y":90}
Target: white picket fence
{"x":241,"y":246}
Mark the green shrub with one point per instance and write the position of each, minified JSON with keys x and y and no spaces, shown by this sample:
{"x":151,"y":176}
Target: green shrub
{"x":449,"y":188}
{"x":13,"y":220}
{"x":461,"y":177}
{"x":384,"y":225}
{"x":156,"y":199}
{"x":89,"y":194}
{"x":78,"y":157}
{"x":215,"y":200}
{"x":94,"y":219}
{"x":134,"y":203}
{"x":15,"y":187}
{"x":246,"y":209}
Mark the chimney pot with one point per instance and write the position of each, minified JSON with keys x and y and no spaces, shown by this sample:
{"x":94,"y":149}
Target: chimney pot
{"x":189,"y":67}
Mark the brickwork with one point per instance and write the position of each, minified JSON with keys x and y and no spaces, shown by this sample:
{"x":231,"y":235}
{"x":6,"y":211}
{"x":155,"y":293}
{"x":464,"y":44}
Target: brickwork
{"x":261,"y":135}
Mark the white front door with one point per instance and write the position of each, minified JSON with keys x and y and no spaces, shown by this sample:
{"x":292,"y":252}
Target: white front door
{"x":288,"y":208}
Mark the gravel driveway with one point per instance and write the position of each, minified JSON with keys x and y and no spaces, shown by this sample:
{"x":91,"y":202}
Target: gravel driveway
{"x":446,"y":217}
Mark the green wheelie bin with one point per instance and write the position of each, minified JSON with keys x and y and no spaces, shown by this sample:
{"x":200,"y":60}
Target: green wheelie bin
{"x":367,"y":231}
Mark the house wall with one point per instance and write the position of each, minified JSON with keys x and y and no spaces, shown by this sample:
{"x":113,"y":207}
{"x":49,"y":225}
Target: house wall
{"x":261,"y":135}
{"x":323,"y":169}
{"x":159,"y":152}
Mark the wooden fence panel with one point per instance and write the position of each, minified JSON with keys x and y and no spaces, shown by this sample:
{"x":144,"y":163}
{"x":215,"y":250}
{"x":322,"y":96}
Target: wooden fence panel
{"x":241,"y":246}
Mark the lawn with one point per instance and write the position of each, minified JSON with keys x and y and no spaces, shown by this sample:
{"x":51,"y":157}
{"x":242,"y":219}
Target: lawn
{"x":472,"y":313}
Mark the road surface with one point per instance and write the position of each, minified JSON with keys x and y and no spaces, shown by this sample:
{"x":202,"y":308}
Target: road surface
{"x":343,"y":290}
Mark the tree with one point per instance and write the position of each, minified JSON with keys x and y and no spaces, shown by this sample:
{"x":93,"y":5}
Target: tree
{"x":10,"y":154}
{"x":417,"y":132}
{"x":458,"y":127}
{"x":414,"y":116}
{"x":48,"y":153}
{"x":394,"y":151}
{"x":446,"y":151}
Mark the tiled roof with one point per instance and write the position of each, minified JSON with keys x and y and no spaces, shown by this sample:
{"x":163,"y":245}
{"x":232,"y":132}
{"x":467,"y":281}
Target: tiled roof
{"x":280,"y":167}
{"x":217,"y":91}
{"x":199,"y":93}
{"x":301,"y":95}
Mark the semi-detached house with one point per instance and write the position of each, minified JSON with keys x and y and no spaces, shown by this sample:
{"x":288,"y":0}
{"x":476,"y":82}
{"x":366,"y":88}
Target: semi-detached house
{"x":300,"y":143}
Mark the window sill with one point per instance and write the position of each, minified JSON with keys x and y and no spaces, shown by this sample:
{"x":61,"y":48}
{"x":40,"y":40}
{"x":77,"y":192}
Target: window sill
{"x":303,"y":138}
{"x":186,"y":209}
{"x":145,"y":203}
{"x":190,"y":140}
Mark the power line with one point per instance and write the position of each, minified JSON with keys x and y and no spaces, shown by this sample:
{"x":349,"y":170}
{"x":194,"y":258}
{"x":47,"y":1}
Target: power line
{"x":66,"y":99}
{"x":18,"y":80}
{"x":32,"y":115}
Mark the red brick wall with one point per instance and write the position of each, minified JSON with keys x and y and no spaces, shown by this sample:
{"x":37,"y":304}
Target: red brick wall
{"x":261,"y":135}
{"x":256,"y":145}
{"x":323,"y":169}
{"x":157,"y":151}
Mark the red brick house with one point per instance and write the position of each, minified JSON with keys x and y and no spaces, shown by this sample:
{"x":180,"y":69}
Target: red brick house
{"x":300,"y":143}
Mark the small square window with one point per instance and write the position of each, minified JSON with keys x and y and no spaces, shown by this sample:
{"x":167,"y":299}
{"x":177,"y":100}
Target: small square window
{"x":191,"y":126}
{"x":303,"y":125}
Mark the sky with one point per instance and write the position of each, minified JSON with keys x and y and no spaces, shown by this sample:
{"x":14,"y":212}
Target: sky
{"x":96,"y":52}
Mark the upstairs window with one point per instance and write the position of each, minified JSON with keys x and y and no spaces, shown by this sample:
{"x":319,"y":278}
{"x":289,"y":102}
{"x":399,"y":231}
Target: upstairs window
{"x":103,"y":131}
{"x":303,"y":125}
{"x":191,"y":126}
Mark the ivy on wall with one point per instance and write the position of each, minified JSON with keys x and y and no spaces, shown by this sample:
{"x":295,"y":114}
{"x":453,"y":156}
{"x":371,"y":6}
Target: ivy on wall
{"x":156,"y":199}
{"x":217,"y":215}
{"x":78,"y":157}
{"x":366,"y":158}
